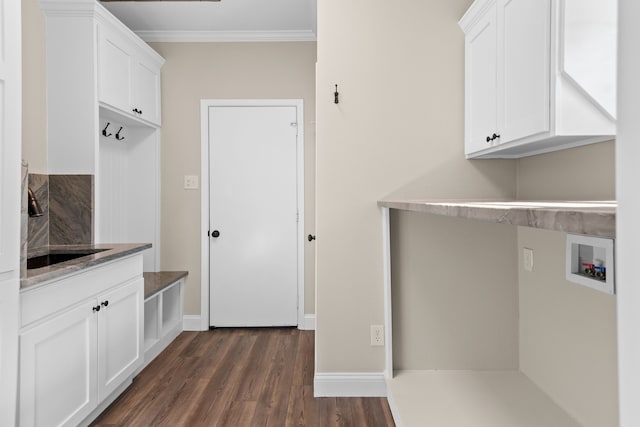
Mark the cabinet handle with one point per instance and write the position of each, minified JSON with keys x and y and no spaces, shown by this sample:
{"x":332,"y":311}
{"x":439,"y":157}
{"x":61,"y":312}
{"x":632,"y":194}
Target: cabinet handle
{"x":105,"y":303}
{"x":491,"y":138}
{"x":96,"y":308}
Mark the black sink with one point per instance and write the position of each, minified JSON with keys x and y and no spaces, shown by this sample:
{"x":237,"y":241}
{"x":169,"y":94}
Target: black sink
{"x":58,"y":257}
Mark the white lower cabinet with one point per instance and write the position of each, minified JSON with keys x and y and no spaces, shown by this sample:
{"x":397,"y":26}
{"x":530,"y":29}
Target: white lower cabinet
{"x":120,"y":336}
{"x":57,"y":369}
{"x":74,"y":359}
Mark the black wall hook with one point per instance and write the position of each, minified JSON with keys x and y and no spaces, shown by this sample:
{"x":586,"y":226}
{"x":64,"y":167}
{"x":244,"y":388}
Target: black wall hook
{"x":335,"y":96}
{"x":118,"y":137}
{"x":104,"y":131}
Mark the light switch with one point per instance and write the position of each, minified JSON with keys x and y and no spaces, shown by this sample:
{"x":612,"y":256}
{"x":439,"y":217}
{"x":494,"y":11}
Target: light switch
{"x":527,"y":259}
{"x":190,"y":182}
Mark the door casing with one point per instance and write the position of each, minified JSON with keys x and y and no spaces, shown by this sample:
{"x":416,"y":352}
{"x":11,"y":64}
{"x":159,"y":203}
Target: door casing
{"x":205,"y":104}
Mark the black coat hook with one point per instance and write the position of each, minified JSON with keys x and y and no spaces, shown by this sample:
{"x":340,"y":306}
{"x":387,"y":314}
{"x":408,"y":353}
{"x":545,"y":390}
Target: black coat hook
{"x":335,"y":96}
{"x":104,"y":131}
{"x":118,"y":137}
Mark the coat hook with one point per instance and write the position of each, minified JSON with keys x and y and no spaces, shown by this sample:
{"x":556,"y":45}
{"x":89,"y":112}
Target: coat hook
{"x":118,"y":137}
{"x":335,"y":96}
{"x":104,"y":131}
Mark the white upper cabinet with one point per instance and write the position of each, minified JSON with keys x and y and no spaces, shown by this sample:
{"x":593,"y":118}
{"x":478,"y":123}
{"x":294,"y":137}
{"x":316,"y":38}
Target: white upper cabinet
{"x":128,"y":77}
{"x":93,"y":66}
{"x":481,"y":107}
{"x":539,"y":75}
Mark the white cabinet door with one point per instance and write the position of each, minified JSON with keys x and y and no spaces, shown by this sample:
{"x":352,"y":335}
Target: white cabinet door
{"x":524,"y":50}
{"x":127,"y":81}
{"x":481,"y":84}
{"x":115,"y":71}
{"x":120,"y":335}
{"x":57,"y":369}
{"x":147,"y":91}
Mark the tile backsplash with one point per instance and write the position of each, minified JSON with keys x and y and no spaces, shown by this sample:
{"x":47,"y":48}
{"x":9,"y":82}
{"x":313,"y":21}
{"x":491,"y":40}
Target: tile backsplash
{"x":67,"y":202}
{"x":39,"y":226}
{"x":71,"y":204}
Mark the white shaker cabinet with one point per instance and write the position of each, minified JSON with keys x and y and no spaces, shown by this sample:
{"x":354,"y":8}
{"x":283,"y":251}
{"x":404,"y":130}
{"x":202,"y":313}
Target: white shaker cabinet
{"x":80,"y":344}
{"x":120,"y":336}
{"x":481,"y":106}
{"x":539,"y":75}
{"x":57,"y":369}
{"x":128,"y":77}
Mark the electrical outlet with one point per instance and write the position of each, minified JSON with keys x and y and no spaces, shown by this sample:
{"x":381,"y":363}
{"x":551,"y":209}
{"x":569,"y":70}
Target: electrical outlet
{"x":190,"y":182}
{"x":377,"y":335}
{"x":527,"y":259}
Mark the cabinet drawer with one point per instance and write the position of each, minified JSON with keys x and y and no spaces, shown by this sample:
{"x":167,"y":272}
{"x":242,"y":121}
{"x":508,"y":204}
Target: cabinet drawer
{"x":65,"y":292}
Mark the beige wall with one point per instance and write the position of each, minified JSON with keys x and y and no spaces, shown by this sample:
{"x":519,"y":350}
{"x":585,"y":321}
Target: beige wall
{"x":583,"y":173}
{"x":398,"y":129}
{"x":34,"y":109}
{"x":196,"y":71}
{"x":567,"y":334}
{"x":455,"y":299}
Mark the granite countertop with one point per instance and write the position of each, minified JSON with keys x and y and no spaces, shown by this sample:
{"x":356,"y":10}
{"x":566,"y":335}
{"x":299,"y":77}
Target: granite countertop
{"x":111,"y":251}
{"x":595,"y":218}
{"x":155,"y":282}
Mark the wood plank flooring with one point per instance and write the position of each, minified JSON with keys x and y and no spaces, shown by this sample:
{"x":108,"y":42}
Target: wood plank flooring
{"x":236,"y":378}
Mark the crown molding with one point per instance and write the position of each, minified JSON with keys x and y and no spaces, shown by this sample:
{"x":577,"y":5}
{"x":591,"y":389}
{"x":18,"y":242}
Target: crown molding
{"x":227,"y":36}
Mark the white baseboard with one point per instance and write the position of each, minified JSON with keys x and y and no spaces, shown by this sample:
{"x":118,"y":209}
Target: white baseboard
{"x":345,"y":384}
{"x":309,"y":323}
{"x":191,"y":322}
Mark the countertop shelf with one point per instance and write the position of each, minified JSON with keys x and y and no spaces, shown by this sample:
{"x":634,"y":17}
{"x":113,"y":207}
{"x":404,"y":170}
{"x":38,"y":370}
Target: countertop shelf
{"x":595,"y":218}
{"x":472,"y":398}
{"x":155,"y":282}
{"x":110,"y":252}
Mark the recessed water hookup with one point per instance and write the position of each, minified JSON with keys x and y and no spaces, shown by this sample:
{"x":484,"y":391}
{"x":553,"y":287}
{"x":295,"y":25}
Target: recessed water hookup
{"x":590,"y":262}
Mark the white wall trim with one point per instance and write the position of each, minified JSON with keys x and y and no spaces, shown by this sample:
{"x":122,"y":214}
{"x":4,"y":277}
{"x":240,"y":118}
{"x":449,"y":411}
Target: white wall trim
{"x":309,"y":323}
{"x":386,"y":267}
{"x":205,"y":105}
{"x":192,"y":322}
{"x":394,"y":410}
{"x":228,"y":36}
{"x":349,"y":384}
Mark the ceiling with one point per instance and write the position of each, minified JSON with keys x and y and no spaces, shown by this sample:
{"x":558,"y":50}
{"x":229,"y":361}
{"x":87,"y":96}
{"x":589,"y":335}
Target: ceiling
{"x":227,"y":20}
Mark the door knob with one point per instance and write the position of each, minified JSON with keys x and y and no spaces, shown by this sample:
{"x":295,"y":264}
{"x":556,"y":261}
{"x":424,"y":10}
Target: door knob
{"x":215,"y":233}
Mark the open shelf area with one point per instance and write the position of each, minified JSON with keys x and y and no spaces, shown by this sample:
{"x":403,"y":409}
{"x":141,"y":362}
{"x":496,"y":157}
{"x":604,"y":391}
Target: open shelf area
{"x":163,"y":301}
{"x":472,"y":398}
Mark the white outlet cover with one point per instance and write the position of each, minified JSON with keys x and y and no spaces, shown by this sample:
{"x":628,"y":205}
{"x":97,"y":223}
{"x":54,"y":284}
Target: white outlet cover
{"x":191,"y":182}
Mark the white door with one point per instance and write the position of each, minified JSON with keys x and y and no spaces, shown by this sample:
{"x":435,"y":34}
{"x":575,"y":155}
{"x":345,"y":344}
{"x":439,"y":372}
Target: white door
{"x":253,"y":215}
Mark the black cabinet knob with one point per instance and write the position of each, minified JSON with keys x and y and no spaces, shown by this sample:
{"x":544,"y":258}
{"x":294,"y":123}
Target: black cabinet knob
{"x":105,"y":303}
{"x":96,"y":308}
{"x":489,"y":139}
{"x":311,"y":237}
{"x":215,"y":233}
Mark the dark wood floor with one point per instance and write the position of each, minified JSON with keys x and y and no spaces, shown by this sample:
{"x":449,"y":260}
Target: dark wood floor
{"x":238,"y":377}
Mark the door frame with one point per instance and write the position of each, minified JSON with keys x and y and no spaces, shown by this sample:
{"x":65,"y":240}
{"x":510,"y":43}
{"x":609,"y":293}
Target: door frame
{"x":205,"y":105}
